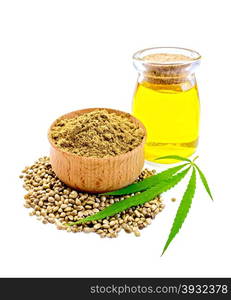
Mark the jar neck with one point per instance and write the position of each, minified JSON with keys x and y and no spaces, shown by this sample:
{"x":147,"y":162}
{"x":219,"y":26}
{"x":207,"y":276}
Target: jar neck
{"x":167,"y":66}
{"x":184,"y":82}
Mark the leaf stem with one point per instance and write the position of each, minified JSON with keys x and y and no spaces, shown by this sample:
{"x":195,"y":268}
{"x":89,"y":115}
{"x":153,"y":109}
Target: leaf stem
{"x":195,"y":158}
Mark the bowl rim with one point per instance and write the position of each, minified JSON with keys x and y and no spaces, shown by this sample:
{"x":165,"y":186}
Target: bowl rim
{"x":82,"y":111}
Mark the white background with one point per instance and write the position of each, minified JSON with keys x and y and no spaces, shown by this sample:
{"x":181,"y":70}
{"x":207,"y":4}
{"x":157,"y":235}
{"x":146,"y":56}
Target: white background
{"x":59,"y":56}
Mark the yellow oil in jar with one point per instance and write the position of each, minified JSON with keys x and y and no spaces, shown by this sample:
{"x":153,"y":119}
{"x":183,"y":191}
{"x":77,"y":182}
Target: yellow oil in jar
{"x":170,"y":113}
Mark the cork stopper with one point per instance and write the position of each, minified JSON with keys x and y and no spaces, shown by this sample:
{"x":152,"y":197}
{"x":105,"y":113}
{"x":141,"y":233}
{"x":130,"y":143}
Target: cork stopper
{"x":166,"y":58}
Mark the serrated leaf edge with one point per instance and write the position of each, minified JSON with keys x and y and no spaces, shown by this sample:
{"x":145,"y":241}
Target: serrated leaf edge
{"x":204,"y":181}
{"x":179,"y":218}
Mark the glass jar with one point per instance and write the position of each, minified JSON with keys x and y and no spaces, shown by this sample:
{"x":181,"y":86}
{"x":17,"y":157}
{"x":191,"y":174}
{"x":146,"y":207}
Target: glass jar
{"x":166,"y":100}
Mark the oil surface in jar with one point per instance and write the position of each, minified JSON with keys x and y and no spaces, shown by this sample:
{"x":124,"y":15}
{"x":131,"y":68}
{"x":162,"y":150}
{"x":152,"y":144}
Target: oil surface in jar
{"x":170,"y":114}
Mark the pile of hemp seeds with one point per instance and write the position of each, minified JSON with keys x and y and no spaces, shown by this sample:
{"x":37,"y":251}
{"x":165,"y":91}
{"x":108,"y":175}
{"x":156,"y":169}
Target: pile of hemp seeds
{"x":51,"y":201}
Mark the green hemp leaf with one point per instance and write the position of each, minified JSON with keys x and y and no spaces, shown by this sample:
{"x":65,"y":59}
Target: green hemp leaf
{"x":183,"y":209}
{"x":152,"y":187}
{"x":138,"y":199}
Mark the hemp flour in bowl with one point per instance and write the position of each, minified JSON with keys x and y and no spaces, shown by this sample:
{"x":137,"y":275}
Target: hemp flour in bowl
{"x":98,"y":149}
{"x":98,"y":134}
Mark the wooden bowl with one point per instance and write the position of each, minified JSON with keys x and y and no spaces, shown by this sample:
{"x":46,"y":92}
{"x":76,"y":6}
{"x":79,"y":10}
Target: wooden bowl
{"x":97,"y":175}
